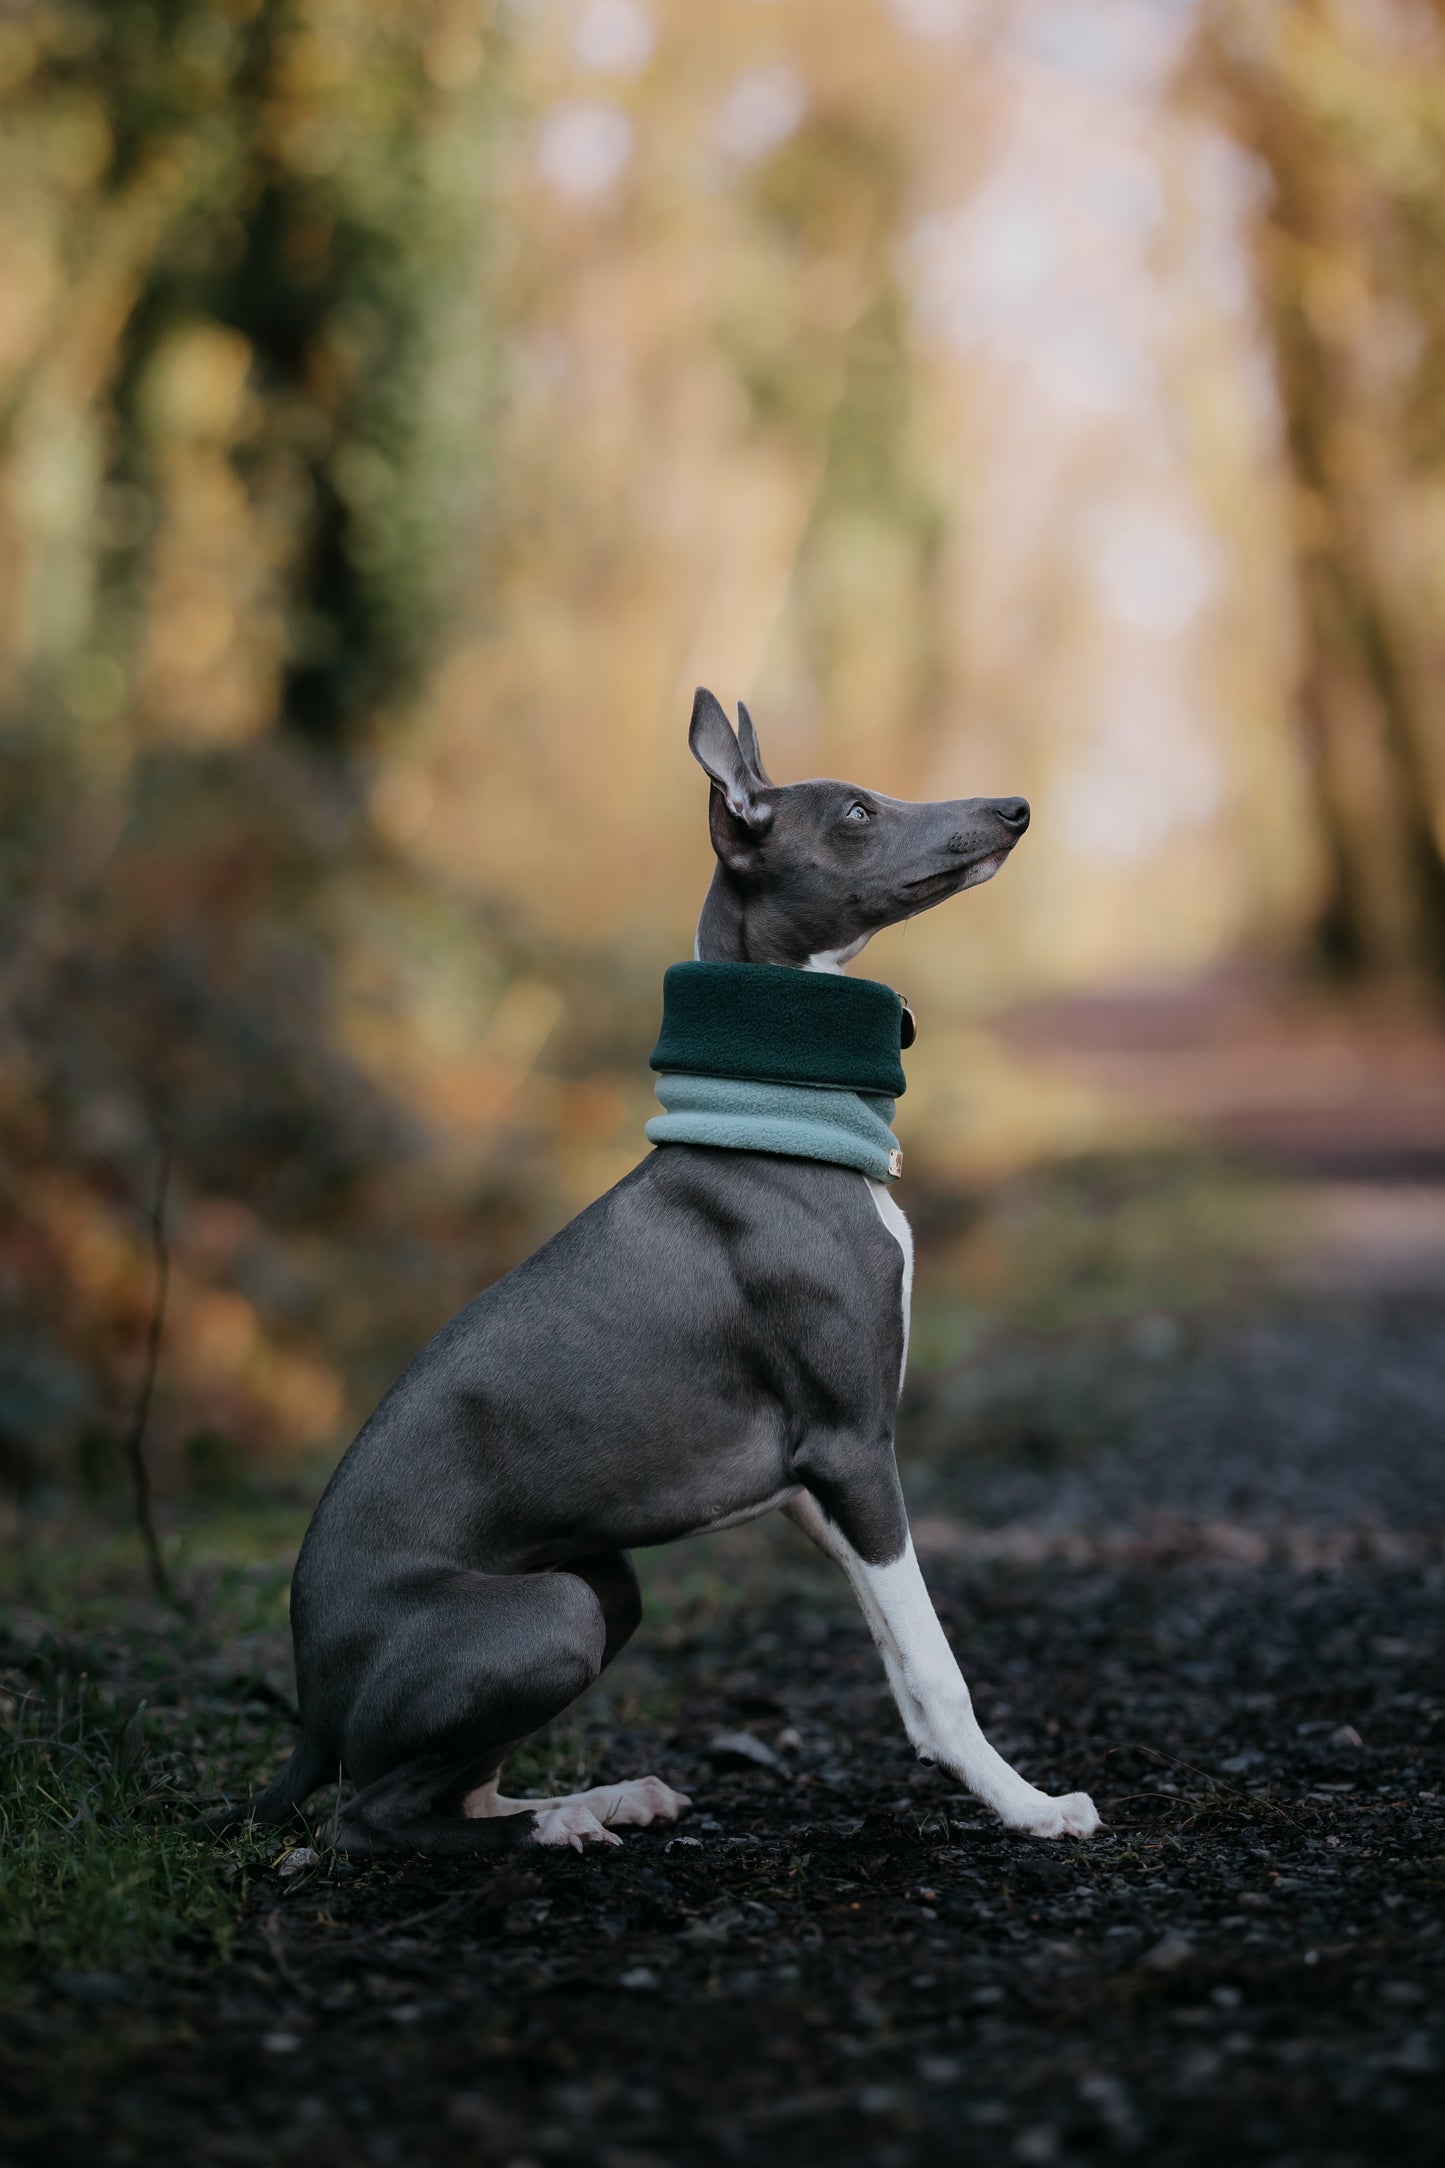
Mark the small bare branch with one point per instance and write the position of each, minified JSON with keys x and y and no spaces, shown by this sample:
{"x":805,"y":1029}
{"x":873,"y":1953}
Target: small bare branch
{"x":140,"y":1415}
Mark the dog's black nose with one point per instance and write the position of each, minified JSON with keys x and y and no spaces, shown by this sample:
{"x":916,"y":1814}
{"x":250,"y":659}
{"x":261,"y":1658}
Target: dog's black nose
{"x":1013,"y":812}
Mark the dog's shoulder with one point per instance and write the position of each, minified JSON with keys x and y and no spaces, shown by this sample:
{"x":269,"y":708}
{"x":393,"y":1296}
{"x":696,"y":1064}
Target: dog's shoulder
{"x":732,"y":1187}
{"x":773,"y":1216}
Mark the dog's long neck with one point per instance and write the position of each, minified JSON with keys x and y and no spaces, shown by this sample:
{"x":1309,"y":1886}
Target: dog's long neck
{"x":723,"y":932}
{"x":739,"y":928}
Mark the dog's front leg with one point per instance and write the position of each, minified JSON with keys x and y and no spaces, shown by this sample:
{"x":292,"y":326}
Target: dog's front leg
{"x":930,"y":1690}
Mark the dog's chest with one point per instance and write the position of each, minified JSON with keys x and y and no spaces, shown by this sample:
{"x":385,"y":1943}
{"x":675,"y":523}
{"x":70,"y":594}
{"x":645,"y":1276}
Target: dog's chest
{"x":894,"y":1219}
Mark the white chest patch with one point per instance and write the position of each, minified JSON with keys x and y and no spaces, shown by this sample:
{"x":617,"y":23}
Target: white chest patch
{"x":896,"y":1222}
{"x":833,"y":960}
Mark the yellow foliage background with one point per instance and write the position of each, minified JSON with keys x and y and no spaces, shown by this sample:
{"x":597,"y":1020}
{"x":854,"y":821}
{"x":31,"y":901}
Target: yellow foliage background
{"x":404,"y":407}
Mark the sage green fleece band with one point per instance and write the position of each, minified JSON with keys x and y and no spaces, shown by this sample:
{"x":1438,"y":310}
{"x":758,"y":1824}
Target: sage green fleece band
{"x":770,"y":1024}
{"x":741,"y":1114}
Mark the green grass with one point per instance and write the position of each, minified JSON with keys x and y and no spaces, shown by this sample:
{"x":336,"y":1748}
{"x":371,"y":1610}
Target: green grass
{"x":121,"y":1726}
{"x":99,"y":1871}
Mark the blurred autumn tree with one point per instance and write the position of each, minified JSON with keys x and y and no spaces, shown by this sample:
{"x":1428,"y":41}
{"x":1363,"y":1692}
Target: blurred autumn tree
{"x":264,"y":219}
{"x":244,"y":376}
{"x":836,"y":381}
{"x":403,"y":403}
{"x":1343,"y":104}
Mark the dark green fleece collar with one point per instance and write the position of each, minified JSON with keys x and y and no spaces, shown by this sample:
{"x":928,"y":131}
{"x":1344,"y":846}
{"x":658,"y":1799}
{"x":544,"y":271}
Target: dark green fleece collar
{"x":767,"y":1023}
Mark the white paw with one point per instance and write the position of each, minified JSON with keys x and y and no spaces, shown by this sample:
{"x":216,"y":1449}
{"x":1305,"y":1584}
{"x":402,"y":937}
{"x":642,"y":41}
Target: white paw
{"x":573,"y":1824}
{"x":1075,"y":1815}
{"x":644,"y":1800}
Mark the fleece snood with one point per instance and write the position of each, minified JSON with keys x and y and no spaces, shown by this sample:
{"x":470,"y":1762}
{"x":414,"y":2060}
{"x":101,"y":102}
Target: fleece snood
{"x":760,"y":1058}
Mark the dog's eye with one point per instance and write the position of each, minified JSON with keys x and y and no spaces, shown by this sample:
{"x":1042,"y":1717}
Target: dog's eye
{"x":858,"y":813}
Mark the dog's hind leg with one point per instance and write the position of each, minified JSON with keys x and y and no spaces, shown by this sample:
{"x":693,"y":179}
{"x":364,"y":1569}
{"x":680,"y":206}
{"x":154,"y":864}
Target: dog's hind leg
{"x":636,"y":1802}
{"x":472,"y":1664}
{"x":400,"y":1813}
{"x":409,"y":1810}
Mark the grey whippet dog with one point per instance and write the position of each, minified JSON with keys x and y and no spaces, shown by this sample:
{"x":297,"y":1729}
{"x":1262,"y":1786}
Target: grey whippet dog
{"x":723,"y":1333}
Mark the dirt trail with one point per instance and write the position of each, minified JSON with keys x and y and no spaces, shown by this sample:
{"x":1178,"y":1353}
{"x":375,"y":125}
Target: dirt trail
{"x":1227,"y":1625}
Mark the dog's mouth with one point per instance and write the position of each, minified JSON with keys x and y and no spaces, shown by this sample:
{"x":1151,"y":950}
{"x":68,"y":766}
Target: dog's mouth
{"x":934,"y":887}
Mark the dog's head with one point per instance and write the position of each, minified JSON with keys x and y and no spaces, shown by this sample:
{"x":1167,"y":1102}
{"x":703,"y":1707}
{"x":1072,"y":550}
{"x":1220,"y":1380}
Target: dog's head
{"x":807,"y":872}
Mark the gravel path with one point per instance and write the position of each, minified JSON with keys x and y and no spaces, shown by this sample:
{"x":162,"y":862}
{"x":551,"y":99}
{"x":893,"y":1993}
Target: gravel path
{"x":1327,"y":1419}
{"x":1226,"y":1623}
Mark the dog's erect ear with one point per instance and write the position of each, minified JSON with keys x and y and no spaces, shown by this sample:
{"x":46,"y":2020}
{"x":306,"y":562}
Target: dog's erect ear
{"x":748,"y":740}
{"x":713,"y":746}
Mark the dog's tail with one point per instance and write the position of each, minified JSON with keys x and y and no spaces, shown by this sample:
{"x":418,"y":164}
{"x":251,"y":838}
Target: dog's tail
{"x":308,"y":1767}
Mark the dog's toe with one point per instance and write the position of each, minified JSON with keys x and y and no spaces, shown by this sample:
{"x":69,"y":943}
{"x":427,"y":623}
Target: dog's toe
{"x":573,"y":1824}
{"x":1074,"y":1815}
{"x":644,"y":1800}
{"x":1078,"y":1816}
